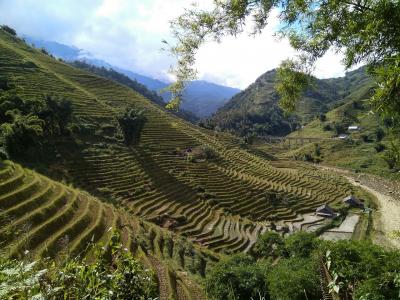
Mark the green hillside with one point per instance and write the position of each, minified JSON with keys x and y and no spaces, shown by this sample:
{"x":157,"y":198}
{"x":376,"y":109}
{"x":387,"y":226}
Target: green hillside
{"x":256,"y":110}
{"x":50,"y":219}
{"x":152,"y":179}
{"x":205,"y":190}
{"x":363,"y":150}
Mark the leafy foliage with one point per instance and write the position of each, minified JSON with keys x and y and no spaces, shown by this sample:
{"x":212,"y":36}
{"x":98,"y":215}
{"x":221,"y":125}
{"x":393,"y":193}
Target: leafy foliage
{"x":269,"y":244}
{"x":364,"y":270}
{"x":294,"y":278}
{"x":131,"y":122}
{"x":236,"y":277}
{"x":359,"y":269}
{"x":26,"y":122}
{"x":114,"y":274}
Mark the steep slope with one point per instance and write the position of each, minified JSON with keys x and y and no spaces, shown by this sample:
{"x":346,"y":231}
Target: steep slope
{"x":221,"y":203}
{"x":256,"y":110}
{"x":201,"y":98}
{"x":364,"y":150}
{"x":49,"y":219}
{"x":133,"y":84}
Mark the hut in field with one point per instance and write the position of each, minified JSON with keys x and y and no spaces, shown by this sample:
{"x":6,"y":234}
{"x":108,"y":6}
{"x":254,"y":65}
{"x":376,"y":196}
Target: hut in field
{"x":325,"y":211}
{"x":354,"y":128}
{"x":353,"y":201}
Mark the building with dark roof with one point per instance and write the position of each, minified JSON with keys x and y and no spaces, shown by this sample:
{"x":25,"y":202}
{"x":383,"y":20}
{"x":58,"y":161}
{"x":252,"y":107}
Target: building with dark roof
{"x":325,"y":211}
{"x":353,"y":201}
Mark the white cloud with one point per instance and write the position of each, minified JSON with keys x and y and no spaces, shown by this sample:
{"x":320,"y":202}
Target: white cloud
{"x":128,"y":34}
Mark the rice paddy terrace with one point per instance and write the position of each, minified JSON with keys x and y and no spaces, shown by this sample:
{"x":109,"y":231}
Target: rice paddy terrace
{"x":48,"y":219}
{"x":221,"y":204}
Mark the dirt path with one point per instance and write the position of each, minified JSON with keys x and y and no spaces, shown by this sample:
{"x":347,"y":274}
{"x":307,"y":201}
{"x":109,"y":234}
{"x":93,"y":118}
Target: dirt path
{"x":387,"y":218}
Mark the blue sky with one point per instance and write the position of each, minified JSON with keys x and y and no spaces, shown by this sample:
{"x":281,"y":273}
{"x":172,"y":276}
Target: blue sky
{"x":128,"y":34}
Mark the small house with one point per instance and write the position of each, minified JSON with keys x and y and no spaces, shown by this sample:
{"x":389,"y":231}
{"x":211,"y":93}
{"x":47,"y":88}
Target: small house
{"x":325,"y":211}
{"x":353,"y":201}
{"x":354,"y":128}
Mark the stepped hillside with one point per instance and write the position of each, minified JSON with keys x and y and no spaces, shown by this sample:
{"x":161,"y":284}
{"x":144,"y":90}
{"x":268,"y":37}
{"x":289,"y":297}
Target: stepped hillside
{"x":221,"y":202}
{"x":50,"y":219}
{"x":201,"y":98}
{"x":256,"y":111}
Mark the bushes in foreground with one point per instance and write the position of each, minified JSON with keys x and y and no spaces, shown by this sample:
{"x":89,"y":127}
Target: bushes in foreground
{"x":112,"y":274}
{"x":289,"y":269}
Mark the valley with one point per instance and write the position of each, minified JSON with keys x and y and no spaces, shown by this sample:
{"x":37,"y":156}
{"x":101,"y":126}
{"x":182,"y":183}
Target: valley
{"x":186,"y":198}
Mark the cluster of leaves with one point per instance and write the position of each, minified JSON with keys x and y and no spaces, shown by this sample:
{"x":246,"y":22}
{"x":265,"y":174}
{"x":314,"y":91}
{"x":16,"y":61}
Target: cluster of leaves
{"x":200,"y":153}
{"x":276,"y":268}
{"x":27,"y":122}
{"x":113,"y":274}
{"x":288,"y":268}
{"x":131,"y":122}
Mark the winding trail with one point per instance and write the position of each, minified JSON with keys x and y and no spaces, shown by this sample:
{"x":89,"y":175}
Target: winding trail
{"x":387,"y":218}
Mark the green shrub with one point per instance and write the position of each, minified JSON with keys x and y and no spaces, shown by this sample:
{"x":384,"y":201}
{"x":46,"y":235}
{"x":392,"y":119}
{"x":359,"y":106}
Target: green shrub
{"x":300,"y":244}
{"x":113,"y":274}
{"x":327,"y":127}
{"x":364,"y":270}
{"x":380,"y":134}
{"x":131,"y":122}
{"x":202,"y":152}
{"x":379,"y":147}
{"x":269,"y":244}
{"x":293,"y":279}
{"x":236,"y":277}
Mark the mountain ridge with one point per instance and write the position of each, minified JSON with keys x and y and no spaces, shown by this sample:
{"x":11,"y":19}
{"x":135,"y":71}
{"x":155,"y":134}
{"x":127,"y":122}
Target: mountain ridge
{"x":201,"y":97}
{"x":256,"y":111}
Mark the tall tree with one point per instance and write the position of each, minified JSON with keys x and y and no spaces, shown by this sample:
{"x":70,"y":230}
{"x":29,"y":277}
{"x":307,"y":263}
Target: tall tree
{"x":365,"y":31}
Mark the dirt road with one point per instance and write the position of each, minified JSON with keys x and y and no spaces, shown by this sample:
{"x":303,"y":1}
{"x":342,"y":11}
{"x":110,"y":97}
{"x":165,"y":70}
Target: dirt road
{"x":386,"y":220}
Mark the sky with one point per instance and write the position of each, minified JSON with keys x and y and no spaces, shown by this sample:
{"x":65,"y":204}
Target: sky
{"x":128,"y":34}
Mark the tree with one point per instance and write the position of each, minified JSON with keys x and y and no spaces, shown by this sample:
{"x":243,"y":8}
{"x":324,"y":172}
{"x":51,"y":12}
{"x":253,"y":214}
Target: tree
{"x":359,"y":265}
{"x":21,"y":133}
{"x":269,"y":244}
{"x":9,"y":30}
{"x":131,"y":122}
{"x":294,"y":278}
{"x":300,"y":244}
{"x":236,"y":277}
{"x":364,"y":31}
{"x":57,"y":114}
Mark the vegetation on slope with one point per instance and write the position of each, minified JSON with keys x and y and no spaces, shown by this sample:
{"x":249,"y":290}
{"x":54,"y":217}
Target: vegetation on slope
{"x":41,"y":218}
{"x":112,"y":273}
{"x":133,"y":84}
{"x":371,"y":148}
{"x":153,"y":179}
{"x":189,"y":180}
{"x":256,"y":110}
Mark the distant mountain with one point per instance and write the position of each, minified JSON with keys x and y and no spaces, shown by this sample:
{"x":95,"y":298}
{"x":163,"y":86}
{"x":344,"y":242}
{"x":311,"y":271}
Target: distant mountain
{"x":204,"y":98}
{"x":256,"y":111}
{"x":201,"y":98}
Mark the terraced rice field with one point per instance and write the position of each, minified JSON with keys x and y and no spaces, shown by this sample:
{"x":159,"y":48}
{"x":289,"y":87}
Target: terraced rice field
{"x":49,"y":219}
{"x":221,"y":204}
